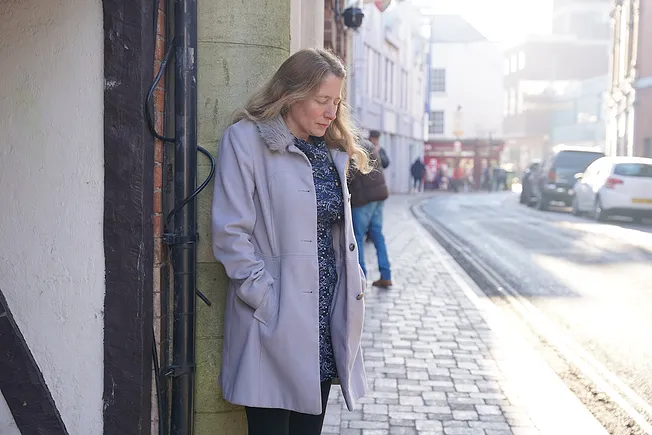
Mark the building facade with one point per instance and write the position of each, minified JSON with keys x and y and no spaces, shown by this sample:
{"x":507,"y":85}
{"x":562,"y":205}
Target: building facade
{"x":579,"y":115}
{"x":538,"y":74}
{"x":581,"y":19}
{"x":86,"y":283}
{"x":465,"y":95}
{"x":387,"y":81}
{"x":550,"y":80}
{"x":629,"y":131}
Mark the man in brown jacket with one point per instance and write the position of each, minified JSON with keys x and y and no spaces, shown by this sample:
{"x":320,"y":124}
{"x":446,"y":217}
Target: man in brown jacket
{"x":368,"y":195}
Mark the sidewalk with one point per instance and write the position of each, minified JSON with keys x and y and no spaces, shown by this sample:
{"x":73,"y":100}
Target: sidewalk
{"x":441,"y":360}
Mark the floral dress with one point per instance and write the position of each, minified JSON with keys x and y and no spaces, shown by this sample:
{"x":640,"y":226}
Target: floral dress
{"x":330,"y":209}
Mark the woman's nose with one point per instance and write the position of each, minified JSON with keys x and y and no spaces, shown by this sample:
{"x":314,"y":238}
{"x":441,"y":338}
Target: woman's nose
{"x":330,"y":113}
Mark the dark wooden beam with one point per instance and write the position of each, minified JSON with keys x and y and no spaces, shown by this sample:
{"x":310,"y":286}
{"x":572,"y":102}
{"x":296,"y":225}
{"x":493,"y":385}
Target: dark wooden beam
{"x":128,"y":208}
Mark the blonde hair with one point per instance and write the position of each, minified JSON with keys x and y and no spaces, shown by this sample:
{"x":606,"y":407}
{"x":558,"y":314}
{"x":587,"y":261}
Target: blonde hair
{"x":298,"y":79}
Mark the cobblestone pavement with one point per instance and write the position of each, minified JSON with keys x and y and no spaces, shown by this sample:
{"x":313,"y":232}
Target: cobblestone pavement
{"x":439,"y":361}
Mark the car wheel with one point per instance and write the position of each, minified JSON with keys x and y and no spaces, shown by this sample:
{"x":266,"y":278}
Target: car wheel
{"x":576,"y":207}
{"x":598,"y":212}
{"x":542,"y":203}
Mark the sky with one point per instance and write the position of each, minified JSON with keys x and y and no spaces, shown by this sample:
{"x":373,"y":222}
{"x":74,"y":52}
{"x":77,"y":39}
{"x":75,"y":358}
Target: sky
{"x":499,"y":20}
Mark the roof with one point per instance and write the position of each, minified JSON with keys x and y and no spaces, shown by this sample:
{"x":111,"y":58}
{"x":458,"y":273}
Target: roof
{"x":587,"y":149}
{"x":453,"y":28}
{"x":624,"y":159}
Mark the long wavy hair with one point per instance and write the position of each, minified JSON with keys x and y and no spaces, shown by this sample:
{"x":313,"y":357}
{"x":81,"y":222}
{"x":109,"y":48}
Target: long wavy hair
{"x":298,"y":79}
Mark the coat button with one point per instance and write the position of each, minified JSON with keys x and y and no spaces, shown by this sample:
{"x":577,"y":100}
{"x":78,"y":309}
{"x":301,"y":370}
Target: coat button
{"x":360,"y":296}
{"x":352,"y":247}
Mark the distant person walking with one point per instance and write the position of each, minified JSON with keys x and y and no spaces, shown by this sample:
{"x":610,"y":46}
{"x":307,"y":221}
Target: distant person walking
{"x":374,"y":137}
{"x":418,"y":171}
{"x":368,"y":195}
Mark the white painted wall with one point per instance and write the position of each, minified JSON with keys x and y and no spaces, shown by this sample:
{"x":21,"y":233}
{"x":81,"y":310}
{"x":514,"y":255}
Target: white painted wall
{"x":51,"y":195}
{"x":474,"y":80}
{"x":7,"y":423}
{"x":306,"y":24}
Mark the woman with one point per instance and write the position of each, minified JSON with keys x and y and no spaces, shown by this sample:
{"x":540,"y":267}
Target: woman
{"x":282,"y":229}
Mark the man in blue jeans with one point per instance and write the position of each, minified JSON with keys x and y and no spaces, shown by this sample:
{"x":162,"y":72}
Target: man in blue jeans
{"x":368,"y":195}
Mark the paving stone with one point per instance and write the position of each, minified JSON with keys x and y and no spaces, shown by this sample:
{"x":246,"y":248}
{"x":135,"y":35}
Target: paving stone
{"x":402,"y":430}
{"x":375,"y":409}
{"x":411,"y":400}
{"x":489,"y":425}
{"x":463,"y":431}
{"x":429,"y":425}
{"x":427,"y":349}
{"x":465,"y":415}
{"x":366,"y":424}
{"x":488,"y":410}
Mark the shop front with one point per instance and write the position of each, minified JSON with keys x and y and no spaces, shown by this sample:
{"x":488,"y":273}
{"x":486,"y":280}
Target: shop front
{"x":462,"y":159}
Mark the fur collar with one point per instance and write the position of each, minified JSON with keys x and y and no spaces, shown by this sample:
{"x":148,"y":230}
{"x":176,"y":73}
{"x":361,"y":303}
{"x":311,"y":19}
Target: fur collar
{"x":275,"y":134}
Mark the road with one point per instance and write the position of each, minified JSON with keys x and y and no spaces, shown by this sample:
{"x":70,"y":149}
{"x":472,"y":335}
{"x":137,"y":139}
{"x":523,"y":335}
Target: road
{"x":592,"y":280}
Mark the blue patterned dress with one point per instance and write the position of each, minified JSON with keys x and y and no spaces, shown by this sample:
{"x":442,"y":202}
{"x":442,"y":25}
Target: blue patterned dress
{"x":330,"y":209}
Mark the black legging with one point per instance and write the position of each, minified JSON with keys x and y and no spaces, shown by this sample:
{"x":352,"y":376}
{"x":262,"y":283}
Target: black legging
{"x":272,"y":421}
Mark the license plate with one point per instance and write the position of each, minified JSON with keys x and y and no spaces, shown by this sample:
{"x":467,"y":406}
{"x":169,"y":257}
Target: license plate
{"x":642,"y":201}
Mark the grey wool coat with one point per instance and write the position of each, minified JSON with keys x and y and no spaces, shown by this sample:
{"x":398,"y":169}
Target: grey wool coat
{"x":265,"y":234}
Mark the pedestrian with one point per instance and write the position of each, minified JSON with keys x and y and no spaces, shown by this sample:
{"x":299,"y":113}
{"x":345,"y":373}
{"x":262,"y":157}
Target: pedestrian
{"x":417,"y":170}
{"x":368,"y":194}
{"x":282,"y":228}
{"x":374,"y":139}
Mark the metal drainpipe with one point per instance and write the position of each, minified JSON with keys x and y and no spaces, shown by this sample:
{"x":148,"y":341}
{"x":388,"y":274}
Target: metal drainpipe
{"x":185,"y":220}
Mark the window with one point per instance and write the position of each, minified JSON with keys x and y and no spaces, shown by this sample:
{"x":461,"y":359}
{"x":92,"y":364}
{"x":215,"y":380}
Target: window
{"x":438,"y":80}
{"x":405,"y":91}
{"x":374,"y":72}
{"x":576,"y":160}
{"x":647,"y":147}
{"x":371,"y":71}
{"x":633,"y":170}
{"x":418,"y":103}
{"x":521,"y":60}
{"x":389,"y":81}
{"x":436,"y":123}
{"x":505,"y":103}
{"x":512,"y":101}
{"x":379,"y":79}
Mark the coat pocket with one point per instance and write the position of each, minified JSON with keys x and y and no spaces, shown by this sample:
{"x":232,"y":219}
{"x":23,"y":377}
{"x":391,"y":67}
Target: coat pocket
{"x":267,"y":306}
{"x":363,"y":278}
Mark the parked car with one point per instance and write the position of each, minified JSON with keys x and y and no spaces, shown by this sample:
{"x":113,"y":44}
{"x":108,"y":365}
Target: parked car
{"x":615,"y":186}
{"x":555,"y":180}
{"x":526,"y":182}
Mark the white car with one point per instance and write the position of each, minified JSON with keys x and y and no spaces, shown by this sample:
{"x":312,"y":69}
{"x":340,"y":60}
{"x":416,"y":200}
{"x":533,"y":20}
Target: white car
{"x":615,"y":186}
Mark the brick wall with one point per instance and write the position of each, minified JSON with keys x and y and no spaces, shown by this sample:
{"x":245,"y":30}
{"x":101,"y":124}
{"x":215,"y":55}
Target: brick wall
{"x":334,"y":31}
{"x":160,"y":250}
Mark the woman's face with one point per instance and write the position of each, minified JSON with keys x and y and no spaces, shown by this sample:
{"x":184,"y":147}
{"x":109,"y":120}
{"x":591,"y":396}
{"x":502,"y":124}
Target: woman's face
{"x":311,"y":117}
